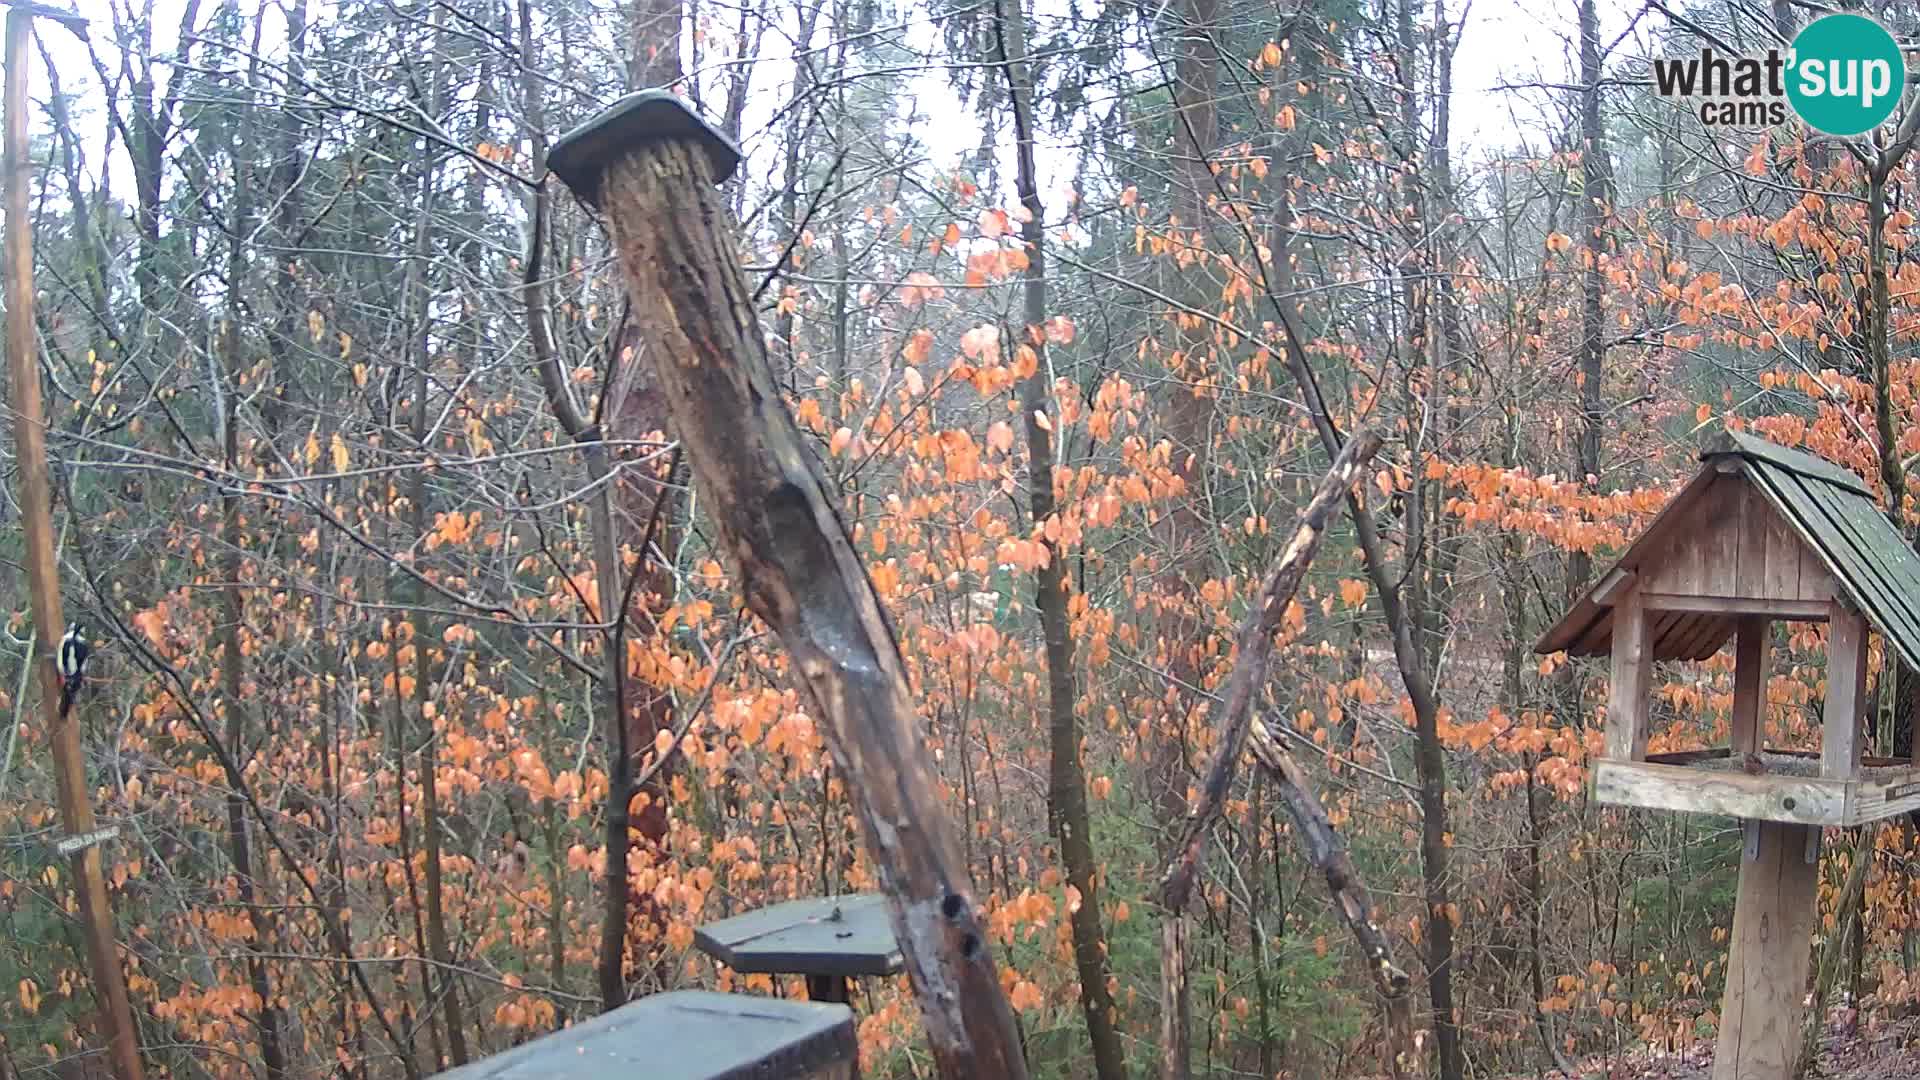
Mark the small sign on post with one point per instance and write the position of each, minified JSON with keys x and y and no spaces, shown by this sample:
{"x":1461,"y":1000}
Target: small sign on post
{"x":82,"y":841}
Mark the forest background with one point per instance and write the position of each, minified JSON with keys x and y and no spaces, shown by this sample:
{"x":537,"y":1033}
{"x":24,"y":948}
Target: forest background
{"x":421,"y":698}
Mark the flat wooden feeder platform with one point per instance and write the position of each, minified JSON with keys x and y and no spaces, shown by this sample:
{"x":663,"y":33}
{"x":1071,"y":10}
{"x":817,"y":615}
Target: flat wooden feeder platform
{"x":688,"y":1035}
{"x":828,"y":939}
{"x":1789,"y":788}
{"x":1762,"y":533}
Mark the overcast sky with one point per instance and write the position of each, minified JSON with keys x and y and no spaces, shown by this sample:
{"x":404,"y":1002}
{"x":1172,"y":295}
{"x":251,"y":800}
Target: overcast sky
{"x":1507,"y":44}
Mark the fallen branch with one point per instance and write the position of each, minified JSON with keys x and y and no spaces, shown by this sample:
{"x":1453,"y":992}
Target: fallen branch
{"x":1255,"y":655}
{"x":1236,"y":725}
{"x":1328,"y":854}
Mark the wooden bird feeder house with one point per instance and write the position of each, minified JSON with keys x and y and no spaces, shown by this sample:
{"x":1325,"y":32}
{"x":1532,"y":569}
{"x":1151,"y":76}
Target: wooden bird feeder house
{"x":1761,"y":534}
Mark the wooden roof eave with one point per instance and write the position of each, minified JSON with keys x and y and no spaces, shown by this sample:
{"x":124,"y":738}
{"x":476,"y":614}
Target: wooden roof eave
{"x":1593,"y":605}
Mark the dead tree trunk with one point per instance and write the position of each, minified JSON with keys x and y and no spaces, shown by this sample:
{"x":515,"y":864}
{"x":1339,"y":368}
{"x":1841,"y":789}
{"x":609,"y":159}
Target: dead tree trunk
{"x":631,"y":712}
{"x":652,"y":166}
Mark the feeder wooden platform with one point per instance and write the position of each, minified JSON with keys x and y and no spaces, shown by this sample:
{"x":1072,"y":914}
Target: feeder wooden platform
{"x":1790,"y":787}
{"x":688,"y":1035}
{"x":828,"y":939}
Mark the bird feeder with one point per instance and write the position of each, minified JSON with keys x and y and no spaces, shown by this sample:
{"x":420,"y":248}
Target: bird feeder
{"x":688,"y":1035}
{"x":828,"y":939}
{"x":1761,"y":534}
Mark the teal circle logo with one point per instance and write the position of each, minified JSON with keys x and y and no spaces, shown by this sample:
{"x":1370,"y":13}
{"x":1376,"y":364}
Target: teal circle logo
{"x":1846,"y":74}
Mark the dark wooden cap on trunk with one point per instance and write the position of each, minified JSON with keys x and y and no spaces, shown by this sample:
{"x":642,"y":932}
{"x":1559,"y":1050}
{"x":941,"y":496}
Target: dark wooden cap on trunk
{"x":685,"y":1035}
{"x":829,"y":935}
{"x":582,"y":155}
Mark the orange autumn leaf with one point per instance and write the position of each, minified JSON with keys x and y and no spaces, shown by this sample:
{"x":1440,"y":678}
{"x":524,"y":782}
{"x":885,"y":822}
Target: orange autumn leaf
{"x":980,"y":341}
{"x":920,"y":288}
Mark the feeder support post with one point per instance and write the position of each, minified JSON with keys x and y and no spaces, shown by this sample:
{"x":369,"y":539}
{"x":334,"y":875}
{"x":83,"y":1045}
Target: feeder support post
{"x":650,"y":165}
{"x":1628,"y":703}
{"x":1768,"y":958}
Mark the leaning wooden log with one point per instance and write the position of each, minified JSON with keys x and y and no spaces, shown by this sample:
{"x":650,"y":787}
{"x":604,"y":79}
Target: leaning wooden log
{"x":1232,"y":724}
{"x":1327,"y":853}
{"x":651,"y":166}
{"x":1253,"y":656}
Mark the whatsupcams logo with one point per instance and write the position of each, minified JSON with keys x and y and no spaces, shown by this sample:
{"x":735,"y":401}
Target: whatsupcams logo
{"x":1843,"y":75}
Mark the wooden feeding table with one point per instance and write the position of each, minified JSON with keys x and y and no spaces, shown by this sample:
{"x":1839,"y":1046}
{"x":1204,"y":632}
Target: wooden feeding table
{"x":829,"y":939}
{"x":688,"y":1035}
{"x":1761,"y":533}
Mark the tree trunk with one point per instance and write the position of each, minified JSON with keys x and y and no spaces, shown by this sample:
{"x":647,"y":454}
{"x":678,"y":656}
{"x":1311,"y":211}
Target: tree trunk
{"x":1067,"y":779}
{"x":27,"y":417}
{"x":268,"y":1017}
{"x":1596,"y":198}
{"x":627,"y":726}
{"x":1189,"y":423}
{"x":445,"y":991}
{"x":653,"y":56}
{"x":795,"y":566}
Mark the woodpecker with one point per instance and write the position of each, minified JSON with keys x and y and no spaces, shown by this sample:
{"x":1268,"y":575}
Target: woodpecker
{"x":73,"y":665}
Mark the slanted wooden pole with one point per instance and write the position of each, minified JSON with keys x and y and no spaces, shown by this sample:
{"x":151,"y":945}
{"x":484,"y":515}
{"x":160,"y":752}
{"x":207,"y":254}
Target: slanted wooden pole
{"x":651,"y":166}
{"x":43,"y":575}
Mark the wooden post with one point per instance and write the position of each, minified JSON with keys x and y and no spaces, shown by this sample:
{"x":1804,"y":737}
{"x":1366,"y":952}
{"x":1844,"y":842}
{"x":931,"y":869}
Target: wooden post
{"x":43,"y":580}
{"x":651,"y":165}
{"x":1846,"y":693}
{"x":832,"y":988}
{"x":1632,"y":683}
{"x":1767,"y":963}
{"x":1750,"y":669}
{"x":1769,"y":956}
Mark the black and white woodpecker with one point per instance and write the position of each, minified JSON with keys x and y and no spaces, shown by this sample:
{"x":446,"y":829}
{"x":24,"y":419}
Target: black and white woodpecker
{"x":73,"y":665}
